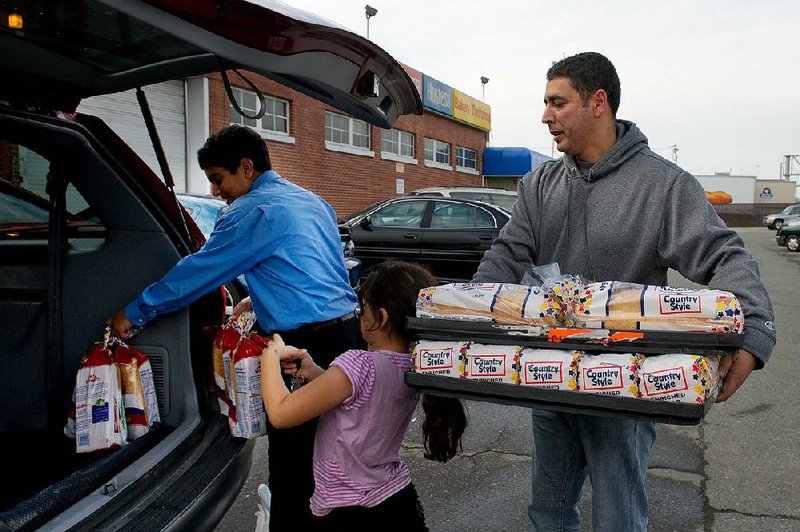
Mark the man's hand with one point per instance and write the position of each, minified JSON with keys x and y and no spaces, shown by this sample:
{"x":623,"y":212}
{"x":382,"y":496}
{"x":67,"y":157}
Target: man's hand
{"x":120,"y":325}
{"x":244,"y":305}
{"x":734,"y":369}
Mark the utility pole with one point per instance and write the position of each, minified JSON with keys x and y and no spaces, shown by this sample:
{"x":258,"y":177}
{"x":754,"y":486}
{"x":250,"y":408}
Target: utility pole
{"x":787,"y":166}
{"x":674,"y":153}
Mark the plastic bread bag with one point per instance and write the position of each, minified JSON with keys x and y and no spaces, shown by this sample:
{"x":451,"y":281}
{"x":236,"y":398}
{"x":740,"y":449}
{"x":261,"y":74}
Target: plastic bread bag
{"x":630,"y":306}
{"x":614,"y":374}
{"x":679,"y":378}
{"x":251,"y":418}
{"x":492,"y":363}
{"x":439,"y":358}
{"x":99,"y":409}
{"x":492,"y":302}
{"x":225,"y":343}
{"x":138,"y":388}
{"x":552,"y":369}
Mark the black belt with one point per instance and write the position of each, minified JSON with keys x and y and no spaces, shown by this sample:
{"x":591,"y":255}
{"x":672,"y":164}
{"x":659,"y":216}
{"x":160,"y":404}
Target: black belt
{"x":327,"y":323}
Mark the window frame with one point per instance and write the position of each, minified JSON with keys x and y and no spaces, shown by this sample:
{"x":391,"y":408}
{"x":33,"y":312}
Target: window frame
{"x":433,"y":163}
{"x":398,"y":155}
{"x":270,"y":134}
{"x":460,"y":151}
{"x":349,"y":146}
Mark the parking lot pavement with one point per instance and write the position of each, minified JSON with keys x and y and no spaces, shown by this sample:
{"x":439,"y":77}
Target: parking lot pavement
{"x":735,"y":472}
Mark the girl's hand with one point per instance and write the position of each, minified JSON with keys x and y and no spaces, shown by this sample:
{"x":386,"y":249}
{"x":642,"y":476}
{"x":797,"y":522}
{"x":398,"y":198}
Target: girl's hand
{"x":294,"y":361}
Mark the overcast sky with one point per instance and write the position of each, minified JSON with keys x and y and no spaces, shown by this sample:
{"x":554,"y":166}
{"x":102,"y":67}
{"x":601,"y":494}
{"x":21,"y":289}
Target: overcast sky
{"x":719,"y":79}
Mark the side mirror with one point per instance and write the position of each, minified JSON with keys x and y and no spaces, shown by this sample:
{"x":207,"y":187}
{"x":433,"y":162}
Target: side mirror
{"x":366,"y":223}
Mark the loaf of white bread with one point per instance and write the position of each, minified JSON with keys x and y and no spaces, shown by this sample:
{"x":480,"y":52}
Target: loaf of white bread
{"x":629,"y":306}
{"x":497,"y":302}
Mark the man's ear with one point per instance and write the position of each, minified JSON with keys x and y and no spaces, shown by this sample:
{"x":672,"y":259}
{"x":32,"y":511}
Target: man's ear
{"x":599,"y":103}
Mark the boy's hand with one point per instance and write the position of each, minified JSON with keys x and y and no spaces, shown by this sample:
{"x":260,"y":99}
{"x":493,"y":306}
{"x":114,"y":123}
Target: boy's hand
{"x":120,"y":324}
{"x":244,"y":305}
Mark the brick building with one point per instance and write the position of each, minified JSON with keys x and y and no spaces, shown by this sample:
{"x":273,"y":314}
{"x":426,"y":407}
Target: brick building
{"x":346,"y":161}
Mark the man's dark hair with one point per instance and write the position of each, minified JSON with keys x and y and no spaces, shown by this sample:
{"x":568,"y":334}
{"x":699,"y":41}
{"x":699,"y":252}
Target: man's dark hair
{"x":227,"y":147}
{"x":589,"y":72}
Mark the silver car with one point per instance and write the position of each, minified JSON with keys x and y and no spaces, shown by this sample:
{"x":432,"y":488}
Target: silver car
{"x":789,"y":214}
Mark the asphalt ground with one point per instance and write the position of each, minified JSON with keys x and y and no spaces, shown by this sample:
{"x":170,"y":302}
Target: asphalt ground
{"x":737,"y":471}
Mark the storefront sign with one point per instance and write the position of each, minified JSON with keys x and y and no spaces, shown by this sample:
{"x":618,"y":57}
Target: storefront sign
{"x":416,"y":78}
{"x":437,"y":96}
{"x":473,"y":112}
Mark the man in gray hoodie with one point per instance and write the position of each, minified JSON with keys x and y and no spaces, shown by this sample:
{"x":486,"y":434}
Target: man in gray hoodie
{"x":611,"y":209}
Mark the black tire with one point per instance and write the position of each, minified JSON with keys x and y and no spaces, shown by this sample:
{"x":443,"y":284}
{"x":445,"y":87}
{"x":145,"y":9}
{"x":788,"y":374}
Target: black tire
{"x":777,"y":224}
{"x":793,"y":243}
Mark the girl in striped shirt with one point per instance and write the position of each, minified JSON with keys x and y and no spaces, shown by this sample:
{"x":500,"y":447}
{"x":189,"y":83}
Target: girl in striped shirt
{"x":361,"y":483}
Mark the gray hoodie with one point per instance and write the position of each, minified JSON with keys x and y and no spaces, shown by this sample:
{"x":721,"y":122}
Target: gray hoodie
{"x":632,"y":216}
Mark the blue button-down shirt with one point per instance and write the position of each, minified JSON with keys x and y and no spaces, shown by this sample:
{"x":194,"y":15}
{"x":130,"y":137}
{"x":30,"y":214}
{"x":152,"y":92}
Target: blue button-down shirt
{"x":285,"y":241}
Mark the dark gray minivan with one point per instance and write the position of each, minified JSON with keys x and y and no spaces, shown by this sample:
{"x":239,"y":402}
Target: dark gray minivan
{"x":85,"y":225}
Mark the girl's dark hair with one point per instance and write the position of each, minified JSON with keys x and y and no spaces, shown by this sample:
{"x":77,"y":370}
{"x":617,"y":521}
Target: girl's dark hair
{"x":394,"y":286}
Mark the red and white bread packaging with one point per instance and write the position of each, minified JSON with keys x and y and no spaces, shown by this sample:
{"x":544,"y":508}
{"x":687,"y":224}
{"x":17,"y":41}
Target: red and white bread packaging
{"x":439,"y":358}
{"x":679,"y":378}
{"x":138,"y":389}
{"x":614,"y":374}
{"x":251,"y":418}
{"x":492,"y":363}
{"x":99,"y":411}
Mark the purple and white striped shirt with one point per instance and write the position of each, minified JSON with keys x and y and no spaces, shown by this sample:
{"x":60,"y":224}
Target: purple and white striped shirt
{"x":357,"y":448}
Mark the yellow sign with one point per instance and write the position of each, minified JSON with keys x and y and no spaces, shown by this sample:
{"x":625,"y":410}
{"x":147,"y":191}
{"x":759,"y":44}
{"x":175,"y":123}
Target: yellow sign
{"x":469,"y":110}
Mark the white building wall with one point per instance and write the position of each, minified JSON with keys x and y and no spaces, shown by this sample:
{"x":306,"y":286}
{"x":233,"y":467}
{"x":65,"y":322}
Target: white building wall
{"x":741,"y":188}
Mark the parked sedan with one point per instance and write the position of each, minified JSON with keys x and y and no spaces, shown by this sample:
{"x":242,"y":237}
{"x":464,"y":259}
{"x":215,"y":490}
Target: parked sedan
{"x":85,"y":225}
{"x":448,"y":235}
{"x":789,"y":236}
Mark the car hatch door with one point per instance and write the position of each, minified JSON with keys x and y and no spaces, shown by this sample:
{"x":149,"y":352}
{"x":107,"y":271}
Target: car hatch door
{"x":68,"y":51}
{"x":296,"y":48}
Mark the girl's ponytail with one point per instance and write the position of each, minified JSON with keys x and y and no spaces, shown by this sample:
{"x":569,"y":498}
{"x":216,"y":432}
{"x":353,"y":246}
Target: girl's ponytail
{"x":445,"y":422}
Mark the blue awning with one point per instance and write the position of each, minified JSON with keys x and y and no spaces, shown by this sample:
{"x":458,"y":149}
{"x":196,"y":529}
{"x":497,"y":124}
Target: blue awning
{"x":505,"y":162}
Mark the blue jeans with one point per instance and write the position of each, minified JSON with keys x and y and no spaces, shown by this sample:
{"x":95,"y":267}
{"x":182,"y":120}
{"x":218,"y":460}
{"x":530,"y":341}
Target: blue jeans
{"x":613,"y":452}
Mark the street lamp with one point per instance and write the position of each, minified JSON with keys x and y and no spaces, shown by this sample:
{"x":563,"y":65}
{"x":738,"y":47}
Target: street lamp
{"x":484,"y":81}
{"x":371,"y":12}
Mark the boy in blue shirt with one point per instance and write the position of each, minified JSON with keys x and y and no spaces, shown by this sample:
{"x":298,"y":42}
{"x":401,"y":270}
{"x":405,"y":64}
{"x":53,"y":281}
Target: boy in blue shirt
{"x":286,"y":242}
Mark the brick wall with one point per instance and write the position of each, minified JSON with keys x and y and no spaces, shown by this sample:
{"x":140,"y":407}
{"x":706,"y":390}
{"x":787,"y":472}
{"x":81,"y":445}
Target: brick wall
{"x":747,"y":214}
{"x":350,"y":182}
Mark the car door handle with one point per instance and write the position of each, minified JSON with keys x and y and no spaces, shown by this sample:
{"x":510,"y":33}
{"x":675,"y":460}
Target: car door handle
{"x":486,"y":237}
{"x":410,"y":236}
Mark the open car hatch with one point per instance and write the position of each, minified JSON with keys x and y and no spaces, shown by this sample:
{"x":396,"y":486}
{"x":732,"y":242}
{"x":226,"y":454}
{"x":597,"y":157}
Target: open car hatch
{"x":69,"y":50}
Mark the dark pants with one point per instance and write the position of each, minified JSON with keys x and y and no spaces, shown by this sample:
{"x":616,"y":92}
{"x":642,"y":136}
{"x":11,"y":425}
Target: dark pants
{"x":401,"y":511}
{"x":290,"y":451}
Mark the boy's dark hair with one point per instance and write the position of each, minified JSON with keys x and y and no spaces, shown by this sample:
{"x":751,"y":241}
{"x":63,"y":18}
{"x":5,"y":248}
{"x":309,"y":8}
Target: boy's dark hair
{"x":394,"y":286}
{"x":589,"y":72}
{"x":227,"y":147}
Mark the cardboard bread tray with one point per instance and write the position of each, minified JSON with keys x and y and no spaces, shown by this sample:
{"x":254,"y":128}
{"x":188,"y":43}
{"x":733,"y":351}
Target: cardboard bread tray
{"x":607,"y":341}
{"x":560,"y":400}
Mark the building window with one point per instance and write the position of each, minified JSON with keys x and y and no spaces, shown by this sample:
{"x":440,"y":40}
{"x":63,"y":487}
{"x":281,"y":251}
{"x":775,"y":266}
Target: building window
{"x":466,"y":158}
{"x":276,"y":115}
{"x":397,"y":146}
{"x":398,"y":142}
{"x":348,"y":131}
{"x":437,"y":151}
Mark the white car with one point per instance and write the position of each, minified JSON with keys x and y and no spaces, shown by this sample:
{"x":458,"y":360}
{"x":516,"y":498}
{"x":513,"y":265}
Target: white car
{"x":789,"y":214}
{"x":495,"y":196}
